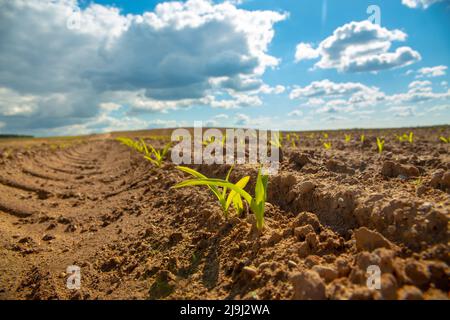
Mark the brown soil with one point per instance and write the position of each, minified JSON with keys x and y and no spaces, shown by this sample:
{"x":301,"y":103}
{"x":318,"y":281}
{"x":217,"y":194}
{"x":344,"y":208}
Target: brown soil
{"x":330,"y":214}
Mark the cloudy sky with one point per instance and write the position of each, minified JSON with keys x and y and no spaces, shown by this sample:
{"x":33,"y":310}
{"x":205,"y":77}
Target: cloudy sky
{"x":74,"y":67}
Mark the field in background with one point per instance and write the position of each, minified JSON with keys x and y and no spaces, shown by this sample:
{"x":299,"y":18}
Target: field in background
{"x":331,"y":212}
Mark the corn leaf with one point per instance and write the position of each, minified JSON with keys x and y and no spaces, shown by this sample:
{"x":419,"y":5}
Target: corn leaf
{"x":216,"y":183}
{"x":197,"y":174}
{"x":224,"y":191}
{"x":234,"y":197}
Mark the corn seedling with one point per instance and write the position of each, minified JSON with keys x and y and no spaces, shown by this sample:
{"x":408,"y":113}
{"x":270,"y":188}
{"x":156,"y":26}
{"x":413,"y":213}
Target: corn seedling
{"x":224,"y":139}
{"x":380,"y":145}
{"x":293,"y":143}
{"x":139,"y":146}
{"x":7,"y":153}
{"x":325,"y":135}
{"x":418,"y":181}
{"x":327,"y":145}
{"x":348,"y":137}
{"x":406,"y":137}
{"x":444,"y":139}
{"x":208,"y":141}
{"x":277,"y":142}
{"x":256,"y":203}
{"x":362,"y":138}
{"x":156,"y":156}
{"x":220,"y":192}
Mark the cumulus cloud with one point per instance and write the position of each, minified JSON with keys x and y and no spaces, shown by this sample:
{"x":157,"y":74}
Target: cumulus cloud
{"x":59,"y":63}
{"x":419,"y":85}
{"x":326,"y":88}
{"x":305,"y":51}
{"x":417,"y":95}
{"x":431,"y":72}
{"x":241,"y":119}
{"x":266,"y":89}
{"x":262,"y":122}
{"x":327,"y":97}
{"x":360,"y":47}
{"x":402,"y":111}
{"x":424,"y":4}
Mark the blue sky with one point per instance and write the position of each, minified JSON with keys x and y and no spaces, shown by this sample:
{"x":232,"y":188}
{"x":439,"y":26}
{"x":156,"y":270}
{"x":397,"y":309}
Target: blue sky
{"x":71,"y":67}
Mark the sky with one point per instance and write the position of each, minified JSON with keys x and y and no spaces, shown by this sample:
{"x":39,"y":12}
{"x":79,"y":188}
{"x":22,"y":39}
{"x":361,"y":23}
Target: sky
{"x":71,"y":67}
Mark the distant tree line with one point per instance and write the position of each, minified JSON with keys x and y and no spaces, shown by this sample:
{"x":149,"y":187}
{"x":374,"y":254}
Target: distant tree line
{"x":8,"y":136}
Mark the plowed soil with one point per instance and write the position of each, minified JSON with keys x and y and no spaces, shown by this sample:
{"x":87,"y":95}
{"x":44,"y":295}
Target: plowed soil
{"x":330,"y":215}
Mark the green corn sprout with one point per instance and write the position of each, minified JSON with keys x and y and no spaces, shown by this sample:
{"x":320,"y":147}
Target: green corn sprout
{"x":444,"y":140}
{"x":293,"y":143}
{"x":406,"y":137}
{"x":158,"y":155}
{"x":348,"y":137}
{"x":363,"y":137}
{"x":221,"y":193}
{"x":256,"y":203}
{"x":325,"y":135}
{"x":418,"y":181}
{"x":208,"y":141}
{"x":139,"y":146}
{"x":380,"y":145}
{"x":327,"y":145}
{"x":277,"y":142}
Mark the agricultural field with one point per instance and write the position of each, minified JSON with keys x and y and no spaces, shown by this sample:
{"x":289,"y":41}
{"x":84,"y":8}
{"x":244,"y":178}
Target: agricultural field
{"x":140,"y":227}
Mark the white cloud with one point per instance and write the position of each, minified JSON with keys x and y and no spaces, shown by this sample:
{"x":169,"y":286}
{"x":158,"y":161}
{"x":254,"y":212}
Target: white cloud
{"x":221,"y":116}
{"x":327,"y":97}
{"x":241,"y":119}
{"x":442,"y":107}
{"x":360,"y":47}
{"x":424,"y":4}
{"x":420,"y":85}
{"x":110,"y":106}
{"x":278,"y":89}
{"x":156,"y":61}
{"x":13,"y":104}
{"x":335,"y":118}
{"x":295,"y":113}
{"x":217,"y":120}
{"x":326,"y":88}
{"x":315,"y":102}
{"x":238,"y":100}
{"x":402,"y":111}
{"x":431,"y":72}
{"x":417,"y":96}
{"x":305,"y":51}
